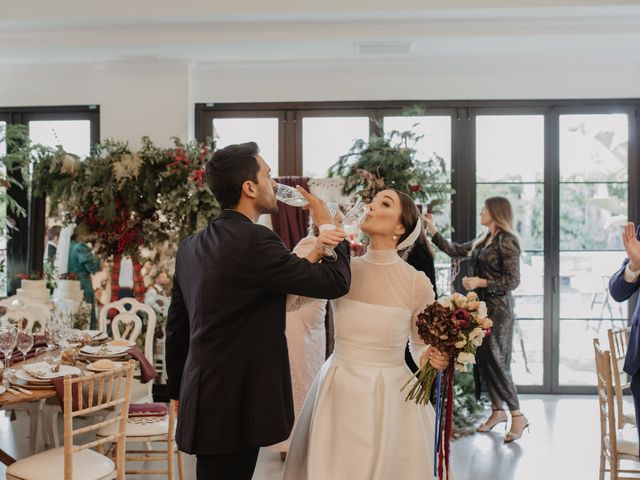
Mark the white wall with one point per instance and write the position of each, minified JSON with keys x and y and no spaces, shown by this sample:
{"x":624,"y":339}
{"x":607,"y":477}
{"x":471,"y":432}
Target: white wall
{"x":157,"y":99}
{"x":134,"y":99}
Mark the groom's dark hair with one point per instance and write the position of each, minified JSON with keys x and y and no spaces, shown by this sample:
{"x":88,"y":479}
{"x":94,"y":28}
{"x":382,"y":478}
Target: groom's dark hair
{"x":229,"y":168}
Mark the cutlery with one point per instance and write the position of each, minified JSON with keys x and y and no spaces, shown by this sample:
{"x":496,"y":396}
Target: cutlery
{"x":23,"y":390}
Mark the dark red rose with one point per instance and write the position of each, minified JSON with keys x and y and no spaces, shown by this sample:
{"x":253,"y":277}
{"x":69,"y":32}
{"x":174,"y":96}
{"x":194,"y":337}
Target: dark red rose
{"x":415,"y":188}
{"x":461,"y":316}
{"x":487,"y":332}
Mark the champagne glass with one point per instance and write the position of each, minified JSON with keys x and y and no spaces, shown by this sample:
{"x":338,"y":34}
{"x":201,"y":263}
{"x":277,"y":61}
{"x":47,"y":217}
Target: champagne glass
{"x":24,"y":342}
{"x":290,"y":196}
{"x":330,"y":253}
{"x":354,"y":217}
{"x":8,"y":338}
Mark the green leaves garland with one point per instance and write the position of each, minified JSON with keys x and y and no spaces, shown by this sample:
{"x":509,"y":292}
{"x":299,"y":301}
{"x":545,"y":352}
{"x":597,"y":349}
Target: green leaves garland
{"x":390,"y":161}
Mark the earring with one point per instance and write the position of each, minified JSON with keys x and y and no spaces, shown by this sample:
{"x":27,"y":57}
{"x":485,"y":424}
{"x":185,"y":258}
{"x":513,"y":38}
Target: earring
{"x":395,"y":237}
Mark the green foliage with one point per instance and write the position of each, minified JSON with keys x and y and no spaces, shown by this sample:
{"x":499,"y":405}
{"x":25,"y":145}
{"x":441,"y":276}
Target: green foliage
{"x":15,"y":170}
{"x":390,"y":161}
{"x":467,"y":410}
{"x":129,"y":200}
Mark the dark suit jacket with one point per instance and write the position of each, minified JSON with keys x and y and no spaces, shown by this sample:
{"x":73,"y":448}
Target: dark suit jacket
{"x":226,"y":351}
{"x":621,"y":290}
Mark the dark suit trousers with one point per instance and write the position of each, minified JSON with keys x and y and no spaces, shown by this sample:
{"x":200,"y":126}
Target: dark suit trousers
{"x":230,"y":466}
{"x":635,"y":392}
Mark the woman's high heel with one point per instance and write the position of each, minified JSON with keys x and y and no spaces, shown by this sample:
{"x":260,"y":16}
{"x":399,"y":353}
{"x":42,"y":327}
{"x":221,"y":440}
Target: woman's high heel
{"x":512,"y":436}
{"x":487,"y":427}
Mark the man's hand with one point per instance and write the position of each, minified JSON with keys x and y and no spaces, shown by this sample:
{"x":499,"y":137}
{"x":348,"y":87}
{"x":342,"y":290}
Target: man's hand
{"x":317,"y":208}
{"x":631,"y":246}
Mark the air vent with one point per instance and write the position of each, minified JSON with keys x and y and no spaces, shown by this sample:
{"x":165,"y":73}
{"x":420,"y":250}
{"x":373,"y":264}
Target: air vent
{"x":383,"y":48}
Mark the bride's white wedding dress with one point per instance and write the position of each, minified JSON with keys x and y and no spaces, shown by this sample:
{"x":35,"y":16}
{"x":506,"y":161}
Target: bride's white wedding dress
{"x":355,"y":423}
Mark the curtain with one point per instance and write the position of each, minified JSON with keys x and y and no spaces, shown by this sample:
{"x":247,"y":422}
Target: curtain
{"x":291,"y":223}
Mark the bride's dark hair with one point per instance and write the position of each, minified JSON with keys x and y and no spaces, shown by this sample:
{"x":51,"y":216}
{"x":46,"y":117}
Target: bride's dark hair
{"x":408,"y":217}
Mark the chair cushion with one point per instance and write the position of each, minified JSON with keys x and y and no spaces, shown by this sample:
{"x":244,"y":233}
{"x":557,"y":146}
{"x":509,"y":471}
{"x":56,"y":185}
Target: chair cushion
{"x":139,"y":427}
{"x":87,"y":465}
{"x":627,"y":440}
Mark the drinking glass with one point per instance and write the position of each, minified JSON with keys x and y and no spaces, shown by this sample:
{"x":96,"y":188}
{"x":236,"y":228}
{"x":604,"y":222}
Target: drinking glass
{"x":8,"y":338}
{"x":24,"y":342}
{"x":290,"y":196}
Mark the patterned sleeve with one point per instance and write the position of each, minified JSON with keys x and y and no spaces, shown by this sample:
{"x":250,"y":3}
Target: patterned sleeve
{"x":454,"y":250}
{"x":509,"y":251}
{"x":423,"y":295}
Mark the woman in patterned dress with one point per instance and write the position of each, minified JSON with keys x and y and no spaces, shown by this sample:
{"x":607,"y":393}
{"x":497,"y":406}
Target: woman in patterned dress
{"x":495,"y":260}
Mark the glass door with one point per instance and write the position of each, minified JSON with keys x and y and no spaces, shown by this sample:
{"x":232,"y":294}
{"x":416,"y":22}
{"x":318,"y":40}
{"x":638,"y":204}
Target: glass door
{"x":510,"y":163}
{"x":593,"y":208}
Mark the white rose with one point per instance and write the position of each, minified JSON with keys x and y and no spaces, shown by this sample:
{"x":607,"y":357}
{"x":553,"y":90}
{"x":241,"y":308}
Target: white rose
{"x":472,"y":296}
{"x":445,"y":302}
{"x":485,"y":323}
{"x":482,"y":310}
{"x":459,"y":300}
{"x":462,"y":342}
{"x":461,"y":367}
{"x":476,"y":336}
{"x":464,"y":357}
{"x":473,"y":305}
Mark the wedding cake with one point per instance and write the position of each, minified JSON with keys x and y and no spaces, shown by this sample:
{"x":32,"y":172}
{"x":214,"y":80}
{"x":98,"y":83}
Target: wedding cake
{"x":34,"y":290}
{"x":69,"y":293}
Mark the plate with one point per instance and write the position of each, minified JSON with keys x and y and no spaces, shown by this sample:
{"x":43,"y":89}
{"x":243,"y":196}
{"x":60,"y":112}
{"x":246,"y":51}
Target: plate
{"x":30,"y":386}
{"x":93,"y":368}
{"x":130,"y":343}
{"x":23,"y":375}
{"x":44,"y":371}
{"x":104,"y":351}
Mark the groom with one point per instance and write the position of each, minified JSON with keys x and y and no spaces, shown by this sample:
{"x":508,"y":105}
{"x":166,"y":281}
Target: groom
{"x":226,"y":351}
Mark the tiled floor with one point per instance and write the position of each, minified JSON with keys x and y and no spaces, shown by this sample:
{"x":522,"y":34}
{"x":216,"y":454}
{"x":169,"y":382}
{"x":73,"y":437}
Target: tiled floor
{"x":563,"y":443}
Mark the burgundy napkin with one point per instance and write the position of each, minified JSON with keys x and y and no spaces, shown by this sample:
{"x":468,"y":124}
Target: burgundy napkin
{"x":16,"y":356}
{"x":58,"y":383}
{"x":147,"y":410}
{"x":147,"y":371}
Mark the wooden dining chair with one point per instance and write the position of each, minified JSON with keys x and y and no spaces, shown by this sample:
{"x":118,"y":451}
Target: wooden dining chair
{"x":147,"y":431}
{"x":91,"y":394}
{"x":616,"y":443}
{"x":618,"y":341}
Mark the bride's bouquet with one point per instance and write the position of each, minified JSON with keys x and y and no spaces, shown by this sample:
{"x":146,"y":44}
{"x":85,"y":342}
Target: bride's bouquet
{"x":456,"y":326}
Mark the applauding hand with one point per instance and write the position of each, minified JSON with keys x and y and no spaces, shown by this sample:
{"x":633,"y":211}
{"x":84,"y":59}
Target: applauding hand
{"x":632,"y":246}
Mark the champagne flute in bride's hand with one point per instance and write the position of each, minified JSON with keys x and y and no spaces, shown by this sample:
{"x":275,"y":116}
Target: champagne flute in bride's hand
{"x":354,"y":217}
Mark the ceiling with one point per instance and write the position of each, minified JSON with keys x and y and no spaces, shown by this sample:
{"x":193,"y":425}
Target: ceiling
{"x":241,"y":32}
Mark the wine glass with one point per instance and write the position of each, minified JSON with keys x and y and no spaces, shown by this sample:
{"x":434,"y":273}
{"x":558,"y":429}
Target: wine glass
{"x":290,"y":196}
{"x":8,"y":338}
{"x":24,"y":342}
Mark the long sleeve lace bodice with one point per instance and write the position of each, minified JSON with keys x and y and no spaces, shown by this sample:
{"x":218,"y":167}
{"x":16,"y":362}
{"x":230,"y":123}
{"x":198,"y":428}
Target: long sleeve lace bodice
{"x":381,"y":277}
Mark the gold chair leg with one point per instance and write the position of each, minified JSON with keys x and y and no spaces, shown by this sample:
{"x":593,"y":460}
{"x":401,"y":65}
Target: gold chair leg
{"x":180,"y":465}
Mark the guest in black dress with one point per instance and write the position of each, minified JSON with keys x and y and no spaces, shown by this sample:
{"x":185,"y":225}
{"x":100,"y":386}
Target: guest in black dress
{"x":495,"y":260}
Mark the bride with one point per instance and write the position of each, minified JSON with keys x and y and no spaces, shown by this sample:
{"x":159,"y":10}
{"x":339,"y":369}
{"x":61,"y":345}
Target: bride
{"x":355,"y":423}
